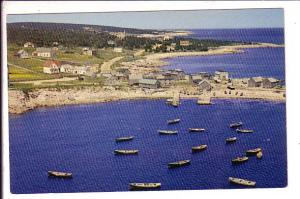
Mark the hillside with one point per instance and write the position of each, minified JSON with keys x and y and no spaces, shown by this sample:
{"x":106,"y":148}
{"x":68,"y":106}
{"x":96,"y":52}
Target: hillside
{"x":70,"y":35}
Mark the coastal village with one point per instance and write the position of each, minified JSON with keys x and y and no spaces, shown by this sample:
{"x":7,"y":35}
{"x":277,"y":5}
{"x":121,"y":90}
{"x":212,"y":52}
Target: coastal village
{"x":56,"y":75}
{"x":60,"y":75}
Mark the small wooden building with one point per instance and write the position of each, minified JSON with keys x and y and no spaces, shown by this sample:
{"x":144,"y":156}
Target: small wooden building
{"x":66,"y":68}
{"x":28,"y":45}
{"x":184,"y":43}
{"x":51,"y":67}
{"x":88,"y":51}
{"x":22,"y":54}
{"x":255,"y":82}
{"x":44,"y":52}
{"x":118,"y":49}
{"x":222,"y":75}
{"x":270,"y":82}
{"x":134,"y":79}
{"x":204,"y":85}
{"x":148,"y":83}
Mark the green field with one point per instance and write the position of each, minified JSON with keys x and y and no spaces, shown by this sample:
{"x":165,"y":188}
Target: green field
{"x":16,"y":74}
{"x":32,"y":68}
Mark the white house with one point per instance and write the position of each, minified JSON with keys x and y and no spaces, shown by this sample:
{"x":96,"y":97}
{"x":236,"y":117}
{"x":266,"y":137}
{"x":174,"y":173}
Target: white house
{"x":28,"y":45}
{"x":118,"y":49}
{"x":66,"y":68}
{"x":44,"y":52}
{"x":88,"y":51}
{"x":222,"y":75}
{"x":51,"y":67}
{"x":22,"y":54}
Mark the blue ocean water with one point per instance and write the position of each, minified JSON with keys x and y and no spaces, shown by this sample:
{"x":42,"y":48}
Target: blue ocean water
{"x":266,"y":62}
{"x":268,"y":35}
{"x":81,"y":139}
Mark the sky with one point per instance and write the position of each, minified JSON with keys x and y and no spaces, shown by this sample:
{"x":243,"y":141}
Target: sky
{"x":200,"y":19}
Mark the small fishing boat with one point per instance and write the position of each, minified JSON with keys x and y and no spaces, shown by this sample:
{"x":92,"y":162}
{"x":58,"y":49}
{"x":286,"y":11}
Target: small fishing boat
{"x":175,"y":103}
{"x":204,"y":101}
{"x":244,"y":131}
{"x":179,"y":163}
{"x":242,"y":181}
{"x":235,"y":125}
{"x":196,"y":129}
{"x":253,"y":151}
{"x":144,"y":186}
{"x":126,"y":152}
{"x":166,"y":132}
{"x":239,"y":160}
{"x":59,"y":174}
{"x":231,"y":140}
{"x":199,"y":148}
{"x":169,"y":101}
{"x":173,"y":121}
{"x":122,"y":139}
{"x":259,"y":155}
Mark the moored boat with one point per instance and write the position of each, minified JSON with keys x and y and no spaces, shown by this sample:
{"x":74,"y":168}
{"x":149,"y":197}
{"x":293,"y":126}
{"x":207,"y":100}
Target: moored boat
{"x":199,"y":148}
{"x":126,"y":152}
{"x":239,"y":160}
{"x":144,"y":186}
{"x":259,"y":155}
{"x":179,"y":163}
{"x":235,"y":125}
{"x":242,"y":181}
{"x":169,"y":101}
{"x":253,"y":151}
{"x":166,"y":132}
{"x":230,"y":140}
{"x":204,"y":102}
{"x":175,"y":103}
{"x":59,"y":174}
{"x":196,"y":129}
{"x":173,"y":121}
{"x":244,"y":131}
{"x":122,"y":139}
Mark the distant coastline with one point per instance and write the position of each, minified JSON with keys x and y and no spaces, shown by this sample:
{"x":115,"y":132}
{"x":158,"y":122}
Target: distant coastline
{"x":157,"y":59}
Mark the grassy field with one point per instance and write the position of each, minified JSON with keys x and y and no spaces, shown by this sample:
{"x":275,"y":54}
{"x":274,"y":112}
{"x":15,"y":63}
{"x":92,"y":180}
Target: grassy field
{"x":16,"y":74}
{"x":32,"y":68}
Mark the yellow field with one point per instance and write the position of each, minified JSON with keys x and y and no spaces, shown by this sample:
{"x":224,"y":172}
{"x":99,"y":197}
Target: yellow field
{"x":19,"y":74}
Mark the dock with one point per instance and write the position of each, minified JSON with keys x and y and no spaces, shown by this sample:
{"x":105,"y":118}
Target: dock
{"x":204,"y":101}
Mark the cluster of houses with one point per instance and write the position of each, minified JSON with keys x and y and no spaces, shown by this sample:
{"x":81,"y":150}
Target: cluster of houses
{"x":263,"y":82}
{"x":204,"y":81}
{"x":154,"y":80}
{"x":167,"y":78}
{"x":51,"y":52}
{"x":172,"y":47}
{"x":55,"y":67}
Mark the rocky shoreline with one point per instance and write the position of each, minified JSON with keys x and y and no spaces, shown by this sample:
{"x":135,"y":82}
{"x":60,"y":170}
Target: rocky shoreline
{"x":19,"y":102}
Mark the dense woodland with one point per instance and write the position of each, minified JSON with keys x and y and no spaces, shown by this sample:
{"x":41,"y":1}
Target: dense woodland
{"x":73,"y":35}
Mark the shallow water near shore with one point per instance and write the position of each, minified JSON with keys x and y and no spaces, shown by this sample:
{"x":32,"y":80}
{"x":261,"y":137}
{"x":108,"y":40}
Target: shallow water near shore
{"x":81,"y":139}
{"x":253,"y":62}
{"x":267,"y":62}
